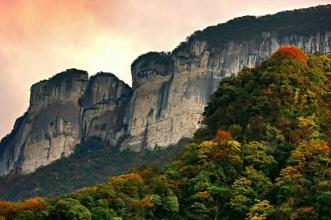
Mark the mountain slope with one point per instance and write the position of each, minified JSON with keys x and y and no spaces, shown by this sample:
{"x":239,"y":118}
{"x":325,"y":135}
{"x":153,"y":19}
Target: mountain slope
{"x":91,"y":163}
{"x":185,"y":78}
{"x":169,"y":90}
{"x":266,"y":170}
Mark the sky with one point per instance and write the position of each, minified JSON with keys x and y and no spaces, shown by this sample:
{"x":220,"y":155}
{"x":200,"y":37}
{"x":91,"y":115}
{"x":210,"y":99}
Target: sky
{"x":39,"y":38}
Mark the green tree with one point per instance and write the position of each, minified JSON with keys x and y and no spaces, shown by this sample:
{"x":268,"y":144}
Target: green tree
{"x":101,"y":213}
{"x":78,"y":212}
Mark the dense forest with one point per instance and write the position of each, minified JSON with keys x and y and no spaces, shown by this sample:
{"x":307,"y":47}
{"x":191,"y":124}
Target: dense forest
{"x":92,"y":162}
{"x":262,"y":153}
{"x":301,"y":22}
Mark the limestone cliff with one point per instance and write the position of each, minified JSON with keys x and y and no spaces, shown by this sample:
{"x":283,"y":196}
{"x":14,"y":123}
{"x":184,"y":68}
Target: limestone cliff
{"x":168,"y":94}
{"x":50,"y":128}
{"x":169,"y":98}
{"x":103,"y":107}
{"x":63,"y":111}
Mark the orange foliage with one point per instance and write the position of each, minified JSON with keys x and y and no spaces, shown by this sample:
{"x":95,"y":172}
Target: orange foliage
{"x":256,"y":218}
{"x":175,"y":183}
{"x":309,"y":154}
{"x":137,"y":203}
{"x":289,"y":171}
{"x":129,"y":176}
{"x":304,"y":213}
{"x":307,"y":209}
{"x":2,"y":218}
{"x":147,"y":201}
{"x":296,"y":135}
{"x":36,"y":204}
{"x":33,"y":204}
{"x":308,"y":150}
{"x":218,"y":154}
{"x":203,"y":195}
{"x":223,"y":134}
{"x":4,"y":203}
{"x":328,"y":172}
{"x":294,"y":52}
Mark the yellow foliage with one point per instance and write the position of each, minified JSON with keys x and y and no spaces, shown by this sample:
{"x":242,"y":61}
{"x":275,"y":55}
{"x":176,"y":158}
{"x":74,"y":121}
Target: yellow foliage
{"x":202,"y":195}
{"x":290,"y":171}
{"x":260,"y":211}
{"x":205,"y":148}
{"x":307,"y":122}
{"x":234,"y":144}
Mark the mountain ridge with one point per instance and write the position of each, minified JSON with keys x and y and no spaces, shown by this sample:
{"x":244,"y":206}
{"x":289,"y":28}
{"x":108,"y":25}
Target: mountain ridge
{"x":271,"y":161}
{"x":169,"y":90}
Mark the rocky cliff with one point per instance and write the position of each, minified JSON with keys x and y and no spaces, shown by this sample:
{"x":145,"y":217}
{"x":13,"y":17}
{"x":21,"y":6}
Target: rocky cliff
{"x":103,"y":108}
{"x":64,"y":110}
{"x":50,"y":128}
{"x":168,"y":101}
{"x":168,"y":94}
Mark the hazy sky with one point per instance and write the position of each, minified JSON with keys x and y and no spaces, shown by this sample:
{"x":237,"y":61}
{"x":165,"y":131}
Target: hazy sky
{"x":42,"y":37}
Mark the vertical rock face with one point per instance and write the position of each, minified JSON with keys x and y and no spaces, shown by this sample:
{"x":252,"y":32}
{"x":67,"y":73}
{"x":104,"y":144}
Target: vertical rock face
{"x":168,"y":94}
{"x":50,"y":128}
{"x":64,"y":111}
{"x":103,"y":107}
{"x":152,"y":75}
{"x":171,"y":90}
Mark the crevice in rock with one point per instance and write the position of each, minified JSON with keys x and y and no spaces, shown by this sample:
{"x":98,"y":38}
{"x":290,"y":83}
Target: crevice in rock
{"x":163,"y":97}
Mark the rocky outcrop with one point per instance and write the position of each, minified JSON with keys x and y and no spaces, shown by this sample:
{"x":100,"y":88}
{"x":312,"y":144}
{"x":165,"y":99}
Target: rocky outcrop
{"x":50,"y":128}
{"x":103,"y":108}
{"x":63,"y":111}
{"x":168,"y":94}
{"x":171,"y":90}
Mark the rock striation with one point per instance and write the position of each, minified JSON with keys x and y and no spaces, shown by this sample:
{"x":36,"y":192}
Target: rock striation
{"x":168,"y":94}
{"x":103,"y":108}
{"x":171,"y":90}
{"x":64,"y":110}
{"x":50,"y":128}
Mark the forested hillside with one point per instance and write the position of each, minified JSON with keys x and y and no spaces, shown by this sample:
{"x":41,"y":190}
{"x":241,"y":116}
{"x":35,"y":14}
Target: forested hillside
{"x":91,"y":163}
{"x":262,"y":153}
{"x":299,"y":22}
